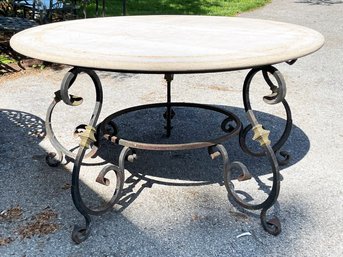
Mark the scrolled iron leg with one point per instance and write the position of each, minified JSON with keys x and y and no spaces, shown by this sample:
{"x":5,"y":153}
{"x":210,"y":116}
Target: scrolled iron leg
{"x":79,"y":234}
{"x":273,"y":153}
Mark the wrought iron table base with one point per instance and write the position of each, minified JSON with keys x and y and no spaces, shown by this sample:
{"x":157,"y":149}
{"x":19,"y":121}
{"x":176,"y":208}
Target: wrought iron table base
{"x":90,"y":134}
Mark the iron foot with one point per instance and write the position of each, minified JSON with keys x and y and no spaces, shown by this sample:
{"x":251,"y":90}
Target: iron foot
{"x":80,"y":234}
{"x":54,"y":159}
{"x":272,"y":226}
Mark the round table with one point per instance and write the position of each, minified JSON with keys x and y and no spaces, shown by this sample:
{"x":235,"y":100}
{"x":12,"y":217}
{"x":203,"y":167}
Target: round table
{"x":162,"y":44}
{"x":171,"y":45}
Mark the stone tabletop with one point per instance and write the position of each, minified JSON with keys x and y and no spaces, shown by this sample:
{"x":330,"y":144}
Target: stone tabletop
{"x":167,"y":43}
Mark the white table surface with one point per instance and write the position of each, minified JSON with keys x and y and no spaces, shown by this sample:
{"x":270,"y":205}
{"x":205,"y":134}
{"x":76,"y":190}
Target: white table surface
{"x":167,"y":43}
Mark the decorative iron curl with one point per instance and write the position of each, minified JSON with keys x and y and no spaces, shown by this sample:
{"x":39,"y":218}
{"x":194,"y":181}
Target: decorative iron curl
{"x":273,"y":225}
{"x":72,"y":100}
{"x":106,"y":182}
{"x":227,"y":125}
{"x":127,"y":154}
{"x":79,"y":233}
{"x":278,"y":95}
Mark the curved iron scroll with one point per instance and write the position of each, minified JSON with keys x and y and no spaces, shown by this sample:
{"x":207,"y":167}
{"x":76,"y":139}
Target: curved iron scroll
{"x":277,"y":96}
{"x":272,"y":225}
{"x":72,"y":100}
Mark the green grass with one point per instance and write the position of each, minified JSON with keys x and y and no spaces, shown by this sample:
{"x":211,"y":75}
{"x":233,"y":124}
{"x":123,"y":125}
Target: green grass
{"x":5,"y":59}
{"x":188,"y":7}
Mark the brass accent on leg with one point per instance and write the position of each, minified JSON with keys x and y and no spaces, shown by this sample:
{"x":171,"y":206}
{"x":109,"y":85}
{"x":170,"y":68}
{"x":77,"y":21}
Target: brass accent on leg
{"x":261,"y":135}
{"x":87,"y":136}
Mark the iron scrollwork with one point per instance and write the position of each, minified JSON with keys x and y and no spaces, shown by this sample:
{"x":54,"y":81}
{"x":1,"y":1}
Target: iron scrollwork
{"x":80,"y":233}
{"x":260,"y":135}
{"x":272,"y":225}
{"x":88,"y":134}
{"x":91,"y":133}
{"x":54,"y":159}
{"x":277,"y":96}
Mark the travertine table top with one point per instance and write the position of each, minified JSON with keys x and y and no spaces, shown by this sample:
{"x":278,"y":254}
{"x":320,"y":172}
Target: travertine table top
{"x":167,"y":43}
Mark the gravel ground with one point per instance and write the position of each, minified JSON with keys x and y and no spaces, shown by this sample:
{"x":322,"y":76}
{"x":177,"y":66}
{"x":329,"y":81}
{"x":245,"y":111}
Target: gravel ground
{"x":181,"y":207}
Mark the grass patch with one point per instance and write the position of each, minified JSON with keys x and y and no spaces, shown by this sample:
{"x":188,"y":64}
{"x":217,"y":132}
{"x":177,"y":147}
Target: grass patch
{"x":5,"y":59}
{"x":191,"y":7}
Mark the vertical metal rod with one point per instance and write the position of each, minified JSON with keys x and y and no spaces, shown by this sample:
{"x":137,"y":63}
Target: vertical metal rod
{"x":168,"y":77}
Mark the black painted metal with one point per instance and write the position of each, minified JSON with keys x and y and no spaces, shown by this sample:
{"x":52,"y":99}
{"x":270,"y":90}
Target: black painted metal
{"x":272,"y":226}
{"x":168,"y":114}
{"x":291,"y":62}
{"x":277,"y":96}
{"x":235,"y":128}
{"x":54,"y":159}
{"x":231,"y":126}
{"x":81,"y":233}
{"x":189,"y":71}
